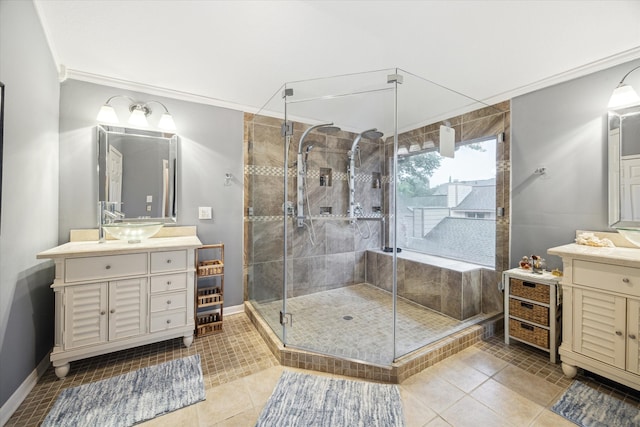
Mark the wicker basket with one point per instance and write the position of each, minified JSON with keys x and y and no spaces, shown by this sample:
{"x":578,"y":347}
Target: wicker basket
{"x":529,"y":311}
{"x":529,"y":333}
{"x":529,"y":290}
{"x":210,"y":267}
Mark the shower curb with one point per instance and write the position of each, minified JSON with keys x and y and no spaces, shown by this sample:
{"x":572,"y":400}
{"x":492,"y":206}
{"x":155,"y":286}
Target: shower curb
{"x":403,"y":368}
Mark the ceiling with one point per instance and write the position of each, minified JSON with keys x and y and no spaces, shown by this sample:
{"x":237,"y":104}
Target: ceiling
{"x":238,"y":54}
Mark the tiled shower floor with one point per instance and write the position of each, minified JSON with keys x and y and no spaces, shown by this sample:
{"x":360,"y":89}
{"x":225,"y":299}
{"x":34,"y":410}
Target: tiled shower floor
{"x":356,"y":322}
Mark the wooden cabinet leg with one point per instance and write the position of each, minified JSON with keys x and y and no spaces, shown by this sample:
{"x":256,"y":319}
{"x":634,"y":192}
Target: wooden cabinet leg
{"x":62,"y":370}
{"x":187,"y":340}
{"x":569,"y":370}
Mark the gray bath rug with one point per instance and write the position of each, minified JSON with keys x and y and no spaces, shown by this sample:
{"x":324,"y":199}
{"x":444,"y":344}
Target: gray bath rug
{"x":314,"y":401}
{"x":588,"y":407}
{"x":130,"y":398}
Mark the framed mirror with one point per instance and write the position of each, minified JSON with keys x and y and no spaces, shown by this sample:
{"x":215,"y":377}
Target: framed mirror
{"x":138,"y":169}
{"x":624,"y":168}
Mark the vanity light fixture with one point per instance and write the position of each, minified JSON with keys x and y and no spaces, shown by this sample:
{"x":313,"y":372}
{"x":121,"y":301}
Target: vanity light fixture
{"x":139,"y":112}
{"x":402,"y":150}
{"x":624,"y":95}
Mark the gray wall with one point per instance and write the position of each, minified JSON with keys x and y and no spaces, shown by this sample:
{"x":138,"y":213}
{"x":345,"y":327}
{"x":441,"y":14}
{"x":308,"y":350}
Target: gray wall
{"x":210,"y":146}
{"x":563,"y":128}
{"x":30,"y":193}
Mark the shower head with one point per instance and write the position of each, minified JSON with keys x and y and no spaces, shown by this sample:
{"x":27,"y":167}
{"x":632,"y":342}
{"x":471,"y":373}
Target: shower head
{"x":372,"y":134}
{"x":306,"y":132}
{"x":369,"y":134}
{"x":329,"y":129}
{"x":309,"y":147}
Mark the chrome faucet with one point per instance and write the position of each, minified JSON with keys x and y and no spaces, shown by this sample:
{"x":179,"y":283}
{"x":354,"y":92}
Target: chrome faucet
{"x":107,"y":214}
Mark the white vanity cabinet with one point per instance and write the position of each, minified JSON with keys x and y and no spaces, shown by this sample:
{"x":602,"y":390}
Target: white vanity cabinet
{"x":601,"y":318}
{"x":114,"y":295}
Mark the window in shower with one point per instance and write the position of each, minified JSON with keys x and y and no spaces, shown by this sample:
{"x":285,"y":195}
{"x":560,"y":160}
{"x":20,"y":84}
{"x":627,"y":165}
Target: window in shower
{"x":447,"y":206}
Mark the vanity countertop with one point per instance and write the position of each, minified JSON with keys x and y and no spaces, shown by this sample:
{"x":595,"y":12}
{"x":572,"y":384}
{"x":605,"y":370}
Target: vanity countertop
{"x":113,"y":247}
{"x":622,"y":256}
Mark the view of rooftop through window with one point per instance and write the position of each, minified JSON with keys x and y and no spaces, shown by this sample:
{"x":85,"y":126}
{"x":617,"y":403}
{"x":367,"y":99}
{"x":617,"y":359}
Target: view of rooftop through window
{"x":447,"y":206}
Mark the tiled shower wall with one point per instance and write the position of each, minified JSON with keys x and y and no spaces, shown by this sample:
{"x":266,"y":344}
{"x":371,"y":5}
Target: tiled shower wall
{"x":328,"y":252}
{"x":338,"y":257}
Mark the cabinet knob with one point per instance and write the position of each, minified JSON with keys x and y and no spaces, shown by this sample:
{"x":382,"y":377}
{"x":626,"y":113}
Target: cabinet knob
{"x":168,"y":282}
{"x":168,"y":321}
{"x":168,"y":301}
{"x":632,"y":336}
{"x":113,"y":310}
{"x":625,"y":280}
{"x":108,"y":267}
{"x":103,"y":312}
{"x":619,"y":333}
{"x":168,"y":261}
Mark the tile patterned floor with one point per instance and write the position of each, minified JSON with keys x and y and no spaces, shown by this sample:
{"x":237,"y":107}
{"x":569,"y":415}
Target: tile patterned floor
{"x":488,"y":384}
{"x":333,"y":321}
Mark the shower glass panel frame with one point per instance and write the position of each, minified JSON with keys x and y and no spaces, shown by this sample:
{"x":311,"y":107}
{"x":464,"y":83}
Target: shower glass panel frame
{"x":324,"y":272}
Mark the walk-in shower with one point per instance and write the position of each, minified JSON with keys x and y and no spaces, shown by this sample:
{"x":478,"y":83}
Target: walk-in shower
{"x":316,"y":274}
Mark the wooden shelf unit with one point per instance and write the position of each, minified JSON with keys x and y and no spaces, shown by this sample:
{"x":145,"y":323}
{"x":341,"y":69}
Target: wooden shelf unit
{"x":209,"y":301}
{"x":532,"y":309}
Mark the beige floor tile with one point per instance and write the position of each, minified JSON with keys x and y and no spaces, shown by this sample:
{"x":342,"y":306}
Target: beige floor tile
{"x":528,"y":385}
{"x":261,"y":385}
{"x":246,"y":418}
{"x":416,"y":413}
{"x":432,"y":391}
{"x":551,"y":419}
{"x":514,"y":407}
{"x":224,"y":402}
{"x":468,"y":412}
{"x":182,"y":417}
{"x":460,"y":374}
{"x":438,"y":422}
{"x":483,"y":362}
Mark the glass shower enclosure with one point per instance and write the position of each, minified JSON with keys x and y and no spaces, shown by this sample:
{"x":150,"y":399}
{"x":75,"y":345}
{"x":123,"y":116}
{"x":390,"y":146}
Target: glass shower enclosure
{"x":323,"y":267}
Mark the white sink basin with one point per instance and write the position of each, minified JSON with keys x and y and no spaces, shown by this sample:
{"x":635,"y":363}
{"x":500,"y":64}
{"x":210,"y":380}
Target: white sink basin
{"x":133,"y":232}
{"x":631,"y":234}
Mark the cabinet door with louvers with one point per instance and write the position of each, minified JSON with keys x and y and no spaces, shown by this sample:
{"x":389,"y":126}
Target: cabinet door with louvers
{"x":599,"y":329}
{"x":85,"y":315}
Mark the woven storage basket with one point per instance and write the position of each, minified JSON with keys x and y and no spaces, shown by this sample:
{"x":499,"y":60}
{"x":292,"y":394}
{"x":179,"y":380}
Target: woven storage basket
{"x":529,"y":333}
{"x":529,"y":311}
{"x":529,"y":290}
{"x":207,"y":268}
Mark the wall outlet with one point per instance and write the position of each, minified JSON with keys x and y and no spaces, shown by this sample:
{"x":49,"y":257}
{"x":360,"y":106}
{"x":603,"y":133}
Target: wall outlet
{"x":204,"y":212}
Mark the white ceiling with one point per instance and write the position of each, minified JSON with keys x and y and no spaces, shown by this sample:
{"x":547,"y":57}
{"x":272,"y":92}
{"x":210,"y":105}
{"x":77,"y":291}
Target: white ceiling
{"x":239,"y":53}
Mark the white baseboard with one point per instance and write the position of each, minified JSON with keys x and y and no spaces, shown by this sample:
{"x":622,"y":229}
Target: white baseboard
{"x":234,"y":309}
{"x":23,"y":391}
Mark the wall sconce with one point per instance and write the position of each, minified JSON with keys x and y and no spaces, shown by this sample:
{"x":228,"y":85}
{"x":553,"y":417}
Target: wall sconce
{"x":139,"y":112}
{"x":403,"y":150}
{"x":624,"y":95}
{"x":414,"y":146}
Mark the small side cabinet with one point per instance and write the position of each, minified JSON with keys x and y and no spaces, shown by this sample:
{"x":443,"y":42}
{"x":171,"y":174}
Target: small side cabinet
{"x":532,"y":309}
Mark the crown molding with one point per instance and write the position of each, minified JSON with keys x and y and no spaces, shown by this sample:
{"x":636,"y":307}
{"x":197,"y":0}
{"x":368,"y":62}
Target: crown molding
{"x":574,"y":73}
{"x":155,"y":90}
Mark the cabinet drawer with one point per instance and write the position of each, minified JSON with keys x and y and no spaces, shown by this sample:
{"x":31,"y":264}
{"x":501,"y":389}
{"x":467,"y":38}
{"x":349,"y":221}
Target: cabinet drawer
{"x":529,"y":333}
{"x":529,"y":311}
{"x":168,"y":261}
{"x":168,"y":282}
{"x":168,"y":301}
{"x":607,"y":277}
{"x":168,"y":320}
{"x":529,"y":290}
{"x":104,"y":267}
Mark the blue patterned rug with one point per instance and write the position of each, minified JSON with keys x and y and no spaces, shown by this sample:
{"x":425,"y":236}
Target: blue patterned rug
{"x":303,"y":400}
{"x":130,"y":398}
{"x":588,"y":407}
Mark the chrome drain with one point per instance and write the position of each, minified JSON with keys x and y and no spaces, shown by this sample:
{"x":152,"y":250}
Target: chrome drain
{"x":348,"y":318}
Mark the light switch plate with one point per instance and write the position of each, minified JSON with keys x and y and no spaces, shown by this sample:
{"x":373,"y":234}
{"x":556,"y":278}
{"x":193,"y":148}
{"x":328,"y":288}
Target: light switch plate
{"x":150,"y":199}
{"x":204,"y":212}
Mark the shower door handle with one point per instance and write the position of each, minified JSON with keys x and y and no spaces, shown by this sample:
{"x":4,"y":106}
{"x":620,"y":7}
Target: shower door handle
{"x":286,"y":319}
